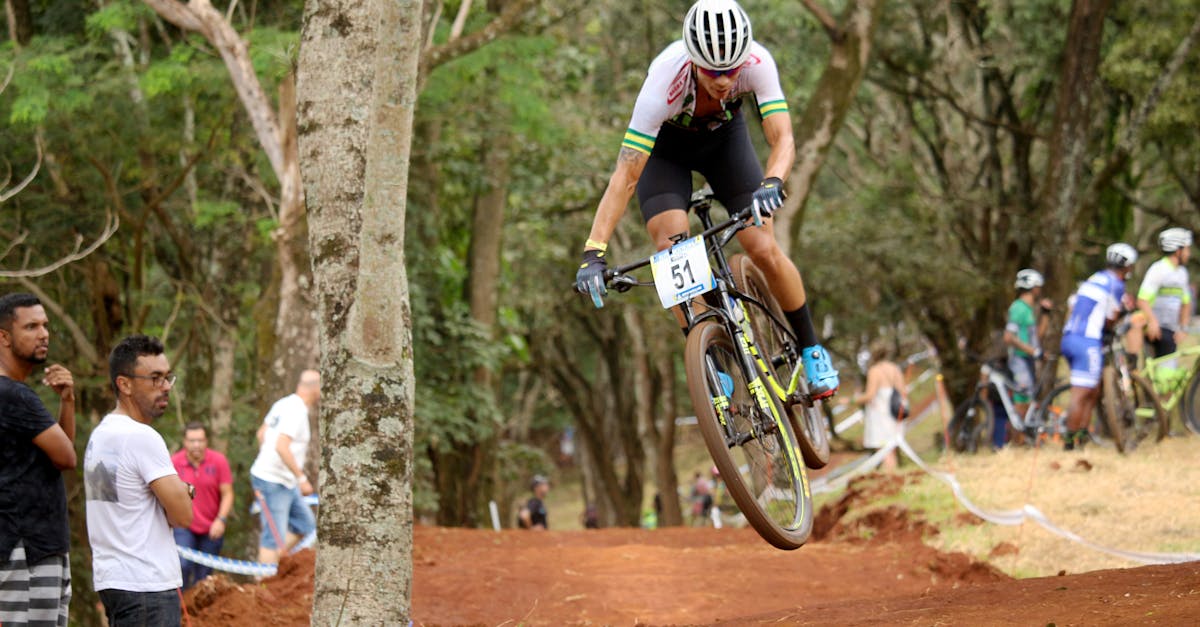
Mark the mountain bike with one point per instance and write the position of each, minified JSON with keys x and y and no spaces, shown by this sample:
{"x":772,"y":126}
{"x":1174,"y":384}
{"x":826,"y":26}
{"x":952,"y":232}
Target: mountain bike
{"x":760,"y":424}
{"x":1132,"y":411}
{"x":974,"y":419}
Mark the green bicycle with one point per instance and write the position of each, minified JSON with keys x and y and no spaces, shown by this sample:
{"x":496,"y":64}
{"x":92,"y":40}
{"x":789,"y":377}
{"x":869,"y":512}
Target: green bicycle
{"x":1177,"y":387}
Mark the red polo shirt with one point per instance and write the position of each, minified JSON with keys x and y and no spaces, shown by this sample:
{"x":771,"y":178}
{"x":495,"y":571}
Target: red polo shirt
{"x":212,"y":473}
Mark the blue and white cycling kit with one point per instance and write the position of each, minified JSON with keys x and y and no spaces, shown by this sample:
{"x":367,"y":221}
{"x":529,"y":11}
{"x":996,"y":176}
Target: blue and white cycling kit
{"x":1097,"y":301}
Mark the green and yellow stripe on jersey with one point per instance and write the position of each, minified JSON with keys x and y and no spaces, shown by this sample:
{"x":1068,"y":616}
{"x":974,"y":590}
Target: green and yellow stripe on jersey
{"x":640,"y":142}
{"x":772,"y":106}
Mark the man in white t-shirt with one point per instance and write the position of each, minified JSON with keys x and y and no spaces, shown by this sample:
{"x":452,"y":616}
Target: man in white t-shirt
{"x":277,"y":475}
{"x":134,"y":495}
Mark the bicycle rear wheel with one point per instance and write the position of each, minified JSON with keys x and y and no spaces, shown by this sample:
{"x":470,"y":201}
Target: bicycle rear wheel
{"x":809,"y":420}
{"x":1050,"y":419}
{"x":753,"y":446}
{"x":971,"y":426}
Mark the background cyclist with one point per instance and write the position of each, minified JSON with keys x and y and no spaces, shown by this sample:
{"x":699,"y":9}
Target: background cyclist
{"x":688,"y":118}
{"x":1164,"y":299}
{"x":1022,"y":335}
{"x":1098,"y":303}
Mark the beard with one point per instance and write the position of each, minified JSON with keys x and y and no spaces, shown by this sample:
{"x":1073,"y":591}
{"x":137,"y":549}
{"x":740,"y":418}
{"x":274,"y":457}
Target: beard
{"x":33,"y":357}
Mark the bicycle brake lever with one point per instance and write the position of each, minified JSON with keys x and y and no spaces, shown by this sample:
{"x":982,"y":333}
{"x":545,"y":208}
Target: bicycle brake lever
{"x":623,"y":283}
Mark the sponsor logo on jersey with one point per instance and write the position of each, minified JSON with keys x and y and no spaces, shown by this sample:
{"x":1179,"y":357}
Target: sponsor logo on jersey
{"x":678,"y":84}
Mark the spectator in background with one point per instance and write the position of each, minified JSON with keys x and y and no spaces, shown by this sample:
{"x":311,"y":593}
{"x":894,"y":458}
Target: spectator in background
{"x":35,"y":569}
{"x":278,"y":472}
{"x":884,"y":380}
{"x":134,"y":495}
{"x":208,"y":471}
{"x":533,"y":514}
{"x":1022,"y":335}
{"x":591,"y":516}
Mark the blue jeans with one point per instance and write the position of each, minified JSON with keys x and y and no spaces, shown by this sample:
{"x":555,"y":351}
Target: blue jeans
{"x":141,"y":609}
{"x":285,"y":509}
{"x":193,"y":572}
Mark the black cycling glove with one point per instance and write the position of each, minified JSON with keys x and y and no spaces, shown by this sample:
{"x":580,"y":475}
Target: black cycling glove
{"x":589,"y":280}
{"x":767,"y":198}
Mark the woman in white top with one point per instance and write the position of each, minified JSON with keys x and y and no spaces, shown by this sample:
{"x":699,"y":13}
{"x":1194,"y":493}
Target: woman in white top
{"x":884,"y":378}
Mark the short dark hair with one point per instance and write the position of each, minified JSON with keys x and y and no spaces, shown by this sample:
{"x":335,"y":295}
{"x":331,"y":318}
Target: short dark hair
{"x":125,"y":354}
{"x":193,"y":425}
{"x":10,"y":303}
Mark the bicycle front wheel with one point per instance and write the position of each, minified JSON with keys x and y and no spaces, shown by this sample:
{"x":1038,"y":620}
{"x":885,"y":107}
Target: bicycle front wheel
{"x":1140,"y":414}
{"x":809,"y":421}
{"x":1189,"y":409}
{"x":1113,"y":402}
{"x":750,"y":440}
{"x":971,"y":426}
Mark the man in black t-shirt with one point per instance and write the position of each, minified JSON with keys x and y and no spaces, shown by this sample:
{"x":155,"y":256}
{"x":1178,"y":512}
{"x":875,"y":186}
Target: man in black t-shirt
{"x":35,"y":572}
{"x":533,"y":513}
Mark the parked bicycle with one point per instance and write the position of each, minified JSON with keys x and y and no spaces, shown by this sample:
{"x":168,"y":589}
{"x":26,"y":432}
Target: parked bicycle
{"x":1131,"y":409}
{"x":759,"y":422}
{"x":1177,"y":387}
{"x":974,"y":419}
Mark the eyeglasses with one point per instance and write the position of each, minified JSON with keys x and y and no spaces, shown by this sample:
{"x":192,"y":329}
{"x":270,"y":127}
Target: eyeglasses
{"x":718,"y":73}
{"x":157,"y":380}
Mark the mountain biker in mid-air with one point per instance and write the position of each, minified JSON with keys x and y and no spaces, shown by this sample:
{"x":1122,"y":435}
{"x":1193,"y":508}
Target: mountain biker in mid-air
{"x":1164,"y":300}
{"x":1098,"y":303}
{"x":688,"y":118}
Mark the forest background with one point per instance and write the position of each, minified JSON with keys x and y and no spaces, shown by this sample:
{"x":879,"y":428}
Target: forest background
{"x":151,"y":183}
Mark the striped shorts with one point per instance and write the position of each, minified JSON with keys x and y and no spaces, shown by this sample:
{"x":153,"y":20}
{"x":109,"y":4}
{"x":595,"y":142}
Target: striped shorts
{"x":34,"y":595}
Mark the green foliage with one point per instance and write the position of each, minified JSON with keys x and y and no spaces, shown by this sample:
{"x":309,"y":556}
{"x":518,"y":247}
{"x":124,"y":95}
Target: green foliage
{"x":121,"y":15}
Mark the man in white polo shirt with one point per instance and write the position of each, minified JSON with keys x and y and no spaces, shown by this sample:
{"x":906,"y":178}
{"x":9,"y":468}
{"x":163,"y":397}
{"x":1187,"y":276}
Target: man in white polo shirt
{"x":278,"y":472}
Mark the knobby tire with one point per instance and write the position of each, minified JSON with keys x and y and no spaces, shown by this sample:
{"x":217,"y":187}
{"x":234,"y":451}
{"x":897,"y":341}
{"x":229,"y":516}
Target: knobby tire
{"x":758,"y":456}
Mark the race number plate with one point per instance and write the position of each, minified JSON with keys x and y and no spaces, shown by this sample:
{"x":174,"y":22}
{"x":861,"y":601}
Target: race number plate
{"x":682,"y":272}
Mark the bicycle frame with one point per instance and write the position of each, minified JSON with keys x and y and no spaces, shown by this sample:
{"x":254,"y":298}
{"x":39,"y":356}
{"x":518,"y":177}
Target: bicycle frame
{"x":727,"y":304}
{"x":1169,"y":382}
{"x":1005,"y":386}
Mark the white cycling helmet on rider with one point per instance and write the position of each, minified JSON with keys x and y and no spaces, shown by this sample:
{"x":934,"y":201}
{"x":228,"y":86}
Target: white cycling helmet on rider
{"x":1028,"y":279}
{"x":1121,"y":255}
{"x":717,"y":34}
{"x":1174,"y":238}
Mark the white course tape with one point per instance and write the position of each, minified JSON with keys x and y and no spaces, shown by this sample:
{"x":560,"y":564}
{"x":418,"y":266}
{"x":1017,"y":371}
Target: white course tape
{"x":1018,"y":516}
{"x":309,"y":500}
{"x":840,"y":476}
{"x":239,"y":567}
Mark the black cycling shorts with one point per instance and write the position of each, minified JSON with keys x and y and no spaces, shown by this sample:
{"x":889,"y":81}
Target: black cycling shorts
{"x":724,"y":156}
{"x":1165,"y":344}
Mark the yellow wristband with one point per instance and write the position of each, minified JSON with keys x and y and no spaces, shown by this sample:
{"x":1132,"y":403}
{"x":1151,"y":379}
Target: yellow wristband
{"x":600,"y":246}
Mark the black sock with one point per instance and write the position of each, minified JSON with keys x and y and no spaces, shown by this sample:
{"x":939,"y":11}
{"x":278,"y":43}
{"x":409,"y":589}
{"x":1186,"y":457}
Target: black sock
{"x":802,"y":324}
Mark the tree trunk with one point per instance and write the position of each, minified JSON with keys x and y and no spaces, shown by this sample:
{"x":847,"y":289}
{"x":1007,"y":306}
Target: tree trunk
{"x":664,"y":472}
{"x":221,"y":408}
{"x":1065,"y":165}
{"x":818,"y":127}
{"x":357,"y":80}
{"x":20,"y":21}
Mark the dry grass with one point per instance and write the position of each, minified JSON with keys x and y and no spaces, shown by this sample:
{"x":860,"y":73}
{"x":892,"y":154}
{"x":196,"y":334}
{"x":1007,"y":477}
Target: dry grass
{"x":1148,"y":501}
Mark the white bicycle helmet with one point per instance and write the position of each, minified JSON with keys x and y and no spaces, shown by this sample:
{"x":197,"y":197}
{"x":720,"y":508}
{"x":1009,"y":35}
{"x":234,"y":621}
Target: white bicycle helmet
{"x":717,"y":34}
{"x":1175,"y":238}
{"x":1121,"y":255}
{"x":1028,"y":279}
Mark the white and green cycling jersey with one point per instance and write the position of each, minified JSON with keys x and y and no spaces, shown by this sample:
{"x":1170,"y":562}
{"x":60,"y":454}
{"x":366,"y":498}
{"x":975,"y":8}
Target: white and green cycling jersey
{"x":669,"y":94}
{"x":1166,"y":288}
